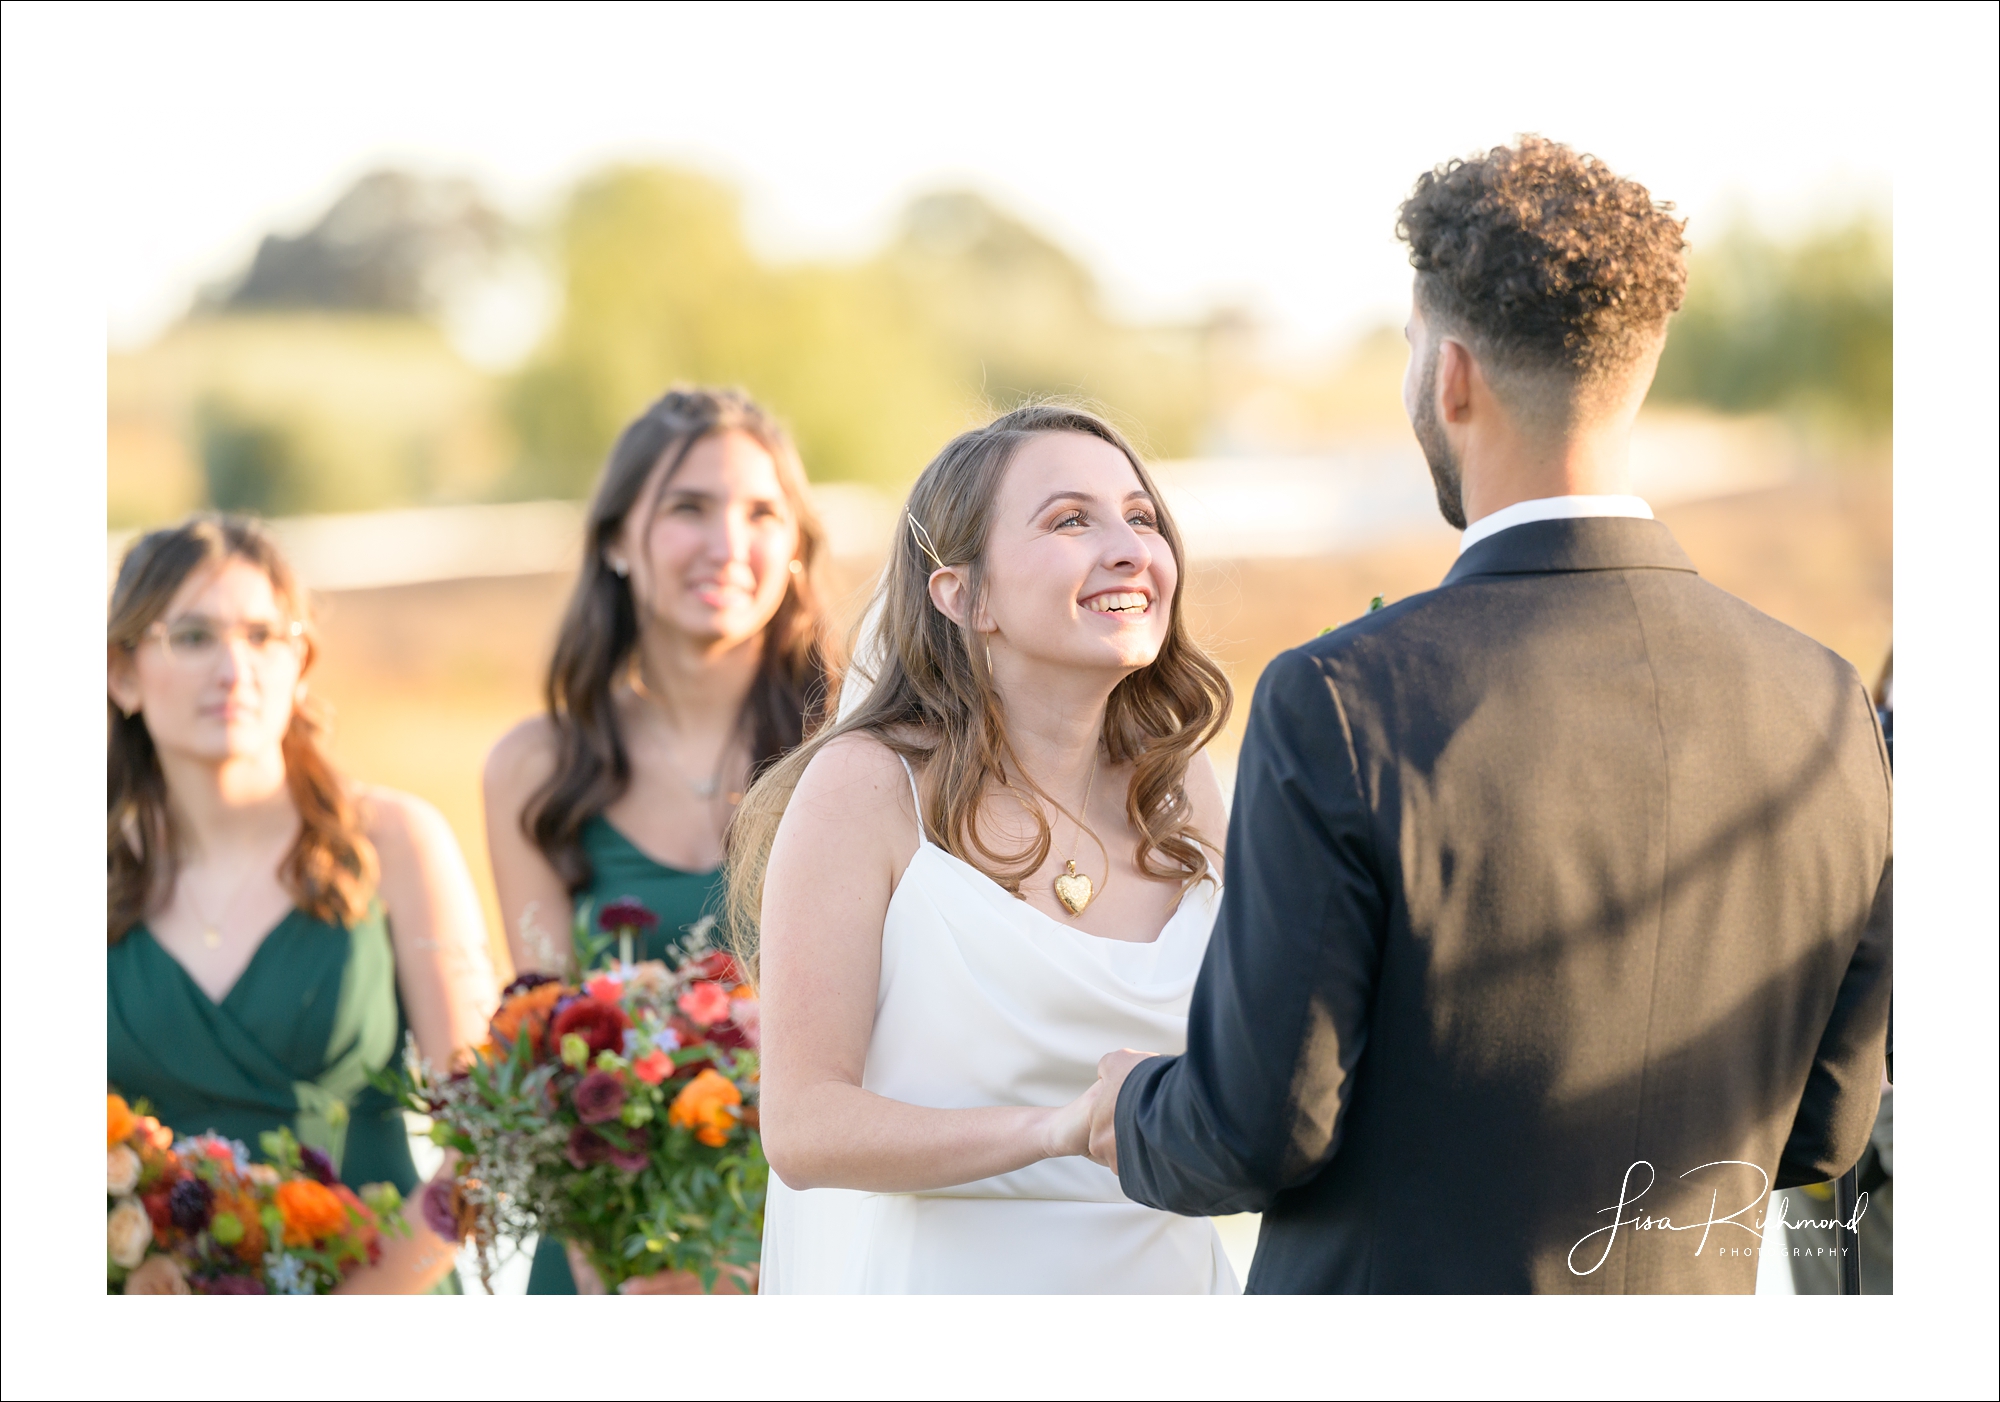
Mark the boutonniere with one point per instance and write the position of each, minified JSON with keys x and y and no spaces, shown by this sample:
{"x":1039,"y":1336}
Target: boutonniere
{"x":1373,"y":604}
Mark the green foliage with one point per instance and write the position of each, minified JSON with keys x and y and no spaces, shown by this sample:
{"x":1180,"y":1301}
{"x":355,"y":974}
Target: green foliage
{"x":284,"y":413}
{"x":1801,"y":327}
{"x":873,"y":364}
{"x":250,"y":465}
{"x":693,"y":1207}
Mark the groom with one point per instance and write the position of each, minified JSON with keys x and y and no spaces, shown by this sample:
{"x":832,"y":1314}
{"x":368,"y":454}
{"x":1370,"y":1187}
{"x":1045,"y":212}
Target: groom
{"x":1557,"y":923}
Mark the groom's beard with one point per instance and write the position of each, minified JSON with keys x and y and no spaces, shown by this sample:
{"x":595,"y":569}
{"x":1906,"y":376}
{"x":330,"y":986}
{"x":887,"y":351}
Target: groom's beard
{"x":1437,"y":449}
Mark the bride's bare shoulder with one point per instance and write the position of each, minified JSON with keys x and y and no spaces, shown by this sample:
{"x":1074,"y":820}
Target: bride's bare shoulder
{"x":857,"y":781}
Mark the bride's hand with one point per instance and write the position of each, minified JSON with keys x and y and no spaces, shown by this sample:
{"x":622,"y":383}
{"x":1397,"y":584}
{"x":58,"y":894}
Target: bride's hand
{"x":1067,"y":1130}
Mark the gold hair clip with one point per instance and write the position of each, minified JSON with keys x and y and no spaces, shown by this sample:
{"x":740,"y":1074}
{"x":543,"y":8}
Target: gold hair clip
{"x":923,"y":538}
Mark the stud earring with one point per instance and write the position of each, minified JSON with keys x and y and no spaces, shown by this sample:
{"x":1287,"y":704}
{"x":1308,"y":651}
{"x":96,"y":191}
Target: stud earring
{"x":797,"y":567}
{"x":619,"y":567}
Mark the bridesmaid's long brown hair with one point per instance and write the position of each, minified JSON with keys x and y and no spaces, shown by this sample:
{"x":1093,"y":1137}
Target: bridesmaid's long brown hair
{"x":601,"y":628}
{"x":330,"y":870}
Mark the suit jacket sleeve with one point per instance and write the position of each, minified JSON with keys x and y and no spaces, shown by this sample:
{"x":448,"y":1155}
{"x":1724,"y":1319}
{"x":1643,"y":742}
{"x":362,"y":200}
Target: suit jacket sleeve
{"x":1844,"y":1087}
{"x":1280,"y":1011}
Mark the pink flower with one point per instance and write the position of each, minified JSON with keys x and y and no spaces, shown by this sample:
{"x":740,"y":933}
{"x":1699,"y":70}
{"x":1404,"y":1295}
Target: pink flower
{"x":746,"y":1015}
{"x":605,"y":988}
{"x":440,"y":1209}
{"x":599,"y":1097}
{"x":705,"y":1004}
{"x":652,"y":1068}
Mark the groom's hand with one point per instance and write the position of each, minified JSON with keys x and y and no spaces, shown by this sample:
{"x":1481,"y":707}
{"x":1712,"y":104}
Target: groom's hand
{"x":1112,"y":1069}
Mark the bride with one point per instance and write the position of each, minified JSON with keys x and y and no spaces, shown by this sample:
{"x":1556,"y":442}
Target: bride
{"x":1000,"y":863}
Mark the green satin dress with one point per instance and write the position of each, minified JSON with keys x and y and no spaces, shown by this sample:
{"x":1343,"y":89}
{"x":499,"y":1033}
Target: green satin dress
{"x":685,"y":902}
{"x":293,"y":1042}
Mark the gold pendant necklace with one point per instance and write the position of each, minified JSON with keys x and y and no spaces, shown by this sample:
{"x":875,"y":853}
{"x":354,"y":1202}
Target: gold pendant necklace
{"x":1073,"y":888}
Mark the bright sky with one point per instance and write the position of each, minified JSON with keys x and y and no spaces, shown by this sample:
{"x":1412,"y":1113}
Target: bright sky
{"x":1188,"y":153}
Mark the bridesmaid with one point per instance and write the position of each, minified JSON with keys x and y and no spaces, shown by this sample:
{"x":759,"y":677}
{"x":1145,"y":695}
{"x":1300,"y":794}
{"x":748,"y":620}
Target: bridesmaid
{"x":690,"y":656}
{"x":274,"y":929}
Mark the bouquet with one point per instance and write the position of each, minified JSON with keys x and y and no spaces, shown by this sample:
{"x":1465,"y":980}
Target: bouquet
{"x":196,"y":1216}
{"x":617,"y":1111}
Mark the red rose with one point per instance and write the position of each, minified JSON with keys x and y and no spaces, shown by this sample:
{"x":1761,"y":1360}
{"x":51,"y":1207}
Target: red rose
{"x":159,"y":1207}
{"x":599,"y":1097}
{"x":718,"y":966}
{"x":601,"y":1025}
{"x":705,"y":1003}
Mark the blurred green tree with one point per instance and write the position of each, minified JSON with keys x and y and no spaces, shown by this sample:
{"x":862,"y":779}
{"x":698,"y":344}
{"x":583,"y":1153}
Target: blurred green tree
{"x":1803,"y":326}
{"x":660,"y":286}
{"x":1017,"y":318}
{"x":874,"y":364}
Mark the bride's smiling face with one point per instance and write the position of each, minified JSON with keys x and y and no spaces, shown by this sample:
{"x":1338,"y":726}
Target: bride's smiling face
{"x":1077,"y":572}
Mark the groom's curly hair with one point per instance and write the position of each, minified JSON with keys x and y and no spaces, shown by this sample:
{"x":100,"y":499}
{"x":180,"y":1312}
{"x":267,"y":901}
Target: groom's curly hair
{"x":1545,"y":259}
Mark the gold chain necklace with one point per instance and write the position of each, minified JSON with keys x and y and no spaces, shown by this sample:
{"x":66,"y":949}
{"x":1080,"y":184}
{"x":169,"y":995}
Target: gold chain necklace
{"x":1073,"y":888}
{"x":704,"y":789}
{"x":211,"y":930}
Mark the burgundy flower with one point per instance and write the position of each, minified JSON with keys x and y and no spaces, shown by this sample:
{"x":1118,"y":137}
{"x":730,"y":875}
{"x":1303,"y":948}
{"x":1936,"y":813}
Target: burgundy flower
{"x":586,"y":1147}
{"x":626,"y":914}
{"x":633,"y":1158}
{"x":601,"y":1025}
{"x":523,"y":982}
{"x":440,"y":1209}
{"x":191,"y":1203}
{"x":156,"y":1202}
{"x":230,"y":1285}
{"x":599,"y":1097}
{"x":318,"y":1166}
{"x":727,"y":1035}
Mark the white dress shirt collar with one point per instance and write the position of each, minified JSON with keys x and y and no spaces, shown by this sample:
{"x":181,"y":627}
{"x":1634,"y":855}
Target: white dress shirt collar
{"x":1551,"y":509}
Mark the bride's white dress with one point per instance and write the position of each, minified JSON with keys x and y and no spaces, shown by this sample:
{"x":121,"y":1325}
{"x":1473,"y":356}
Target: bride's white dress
{"x":987,"y":1001}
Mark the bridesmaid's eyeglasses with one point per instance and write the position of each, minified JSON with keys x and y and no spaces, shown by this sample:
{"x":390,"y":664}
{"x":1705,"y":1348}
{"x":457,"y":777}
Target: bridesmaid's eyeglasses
{"x":194,"y":641}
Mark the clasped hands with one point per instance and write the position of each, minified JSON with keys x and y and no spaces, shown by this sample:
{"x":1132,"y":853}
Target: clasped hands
{"x":1088,"y":1124}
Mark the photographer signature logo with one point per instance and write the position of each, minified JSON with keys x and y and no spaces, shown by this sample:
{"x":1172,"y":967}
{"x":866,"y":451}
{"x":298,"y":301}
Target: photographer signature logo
{"x":1628,"y":1215}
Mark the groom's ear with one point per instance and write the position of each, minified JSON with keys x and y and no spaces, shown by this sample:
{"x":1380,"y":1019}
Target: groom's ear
{"x":1456,"y":371}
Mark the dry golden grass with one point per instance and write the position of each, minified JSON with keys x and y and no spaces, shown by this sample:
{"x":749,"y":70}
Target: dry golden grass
{"x":424,"y":678}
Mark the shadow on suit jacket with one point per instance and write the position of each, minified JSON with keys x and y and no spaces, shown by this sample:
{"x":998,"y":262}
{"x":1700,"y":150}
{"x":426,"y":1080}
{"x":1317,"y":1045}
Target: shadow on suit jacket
{"x":1562,"y":880}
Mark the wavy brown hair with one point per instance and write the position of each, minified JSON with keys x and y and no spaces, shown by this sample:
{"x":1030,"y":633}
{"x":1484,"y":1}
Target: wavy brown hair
{"x":600,"y":630}
{"x":330,"y":870}
{"x":933,"y":701}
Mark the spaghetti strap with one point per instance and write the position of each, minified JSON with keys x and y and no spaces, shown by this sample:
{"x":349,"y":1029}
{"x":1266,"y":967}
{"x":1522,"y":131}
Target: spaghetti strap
{"x":917,"y":800}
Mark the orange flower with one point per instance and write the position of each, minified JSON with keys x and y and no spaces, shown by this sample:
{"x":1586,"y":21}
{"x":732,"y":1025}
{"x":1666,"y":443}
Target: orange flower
{"x":119,"y":1120}
{"x":310,"y":1211}
{"x":527,"y":1012}
{"x":704,"y":1106}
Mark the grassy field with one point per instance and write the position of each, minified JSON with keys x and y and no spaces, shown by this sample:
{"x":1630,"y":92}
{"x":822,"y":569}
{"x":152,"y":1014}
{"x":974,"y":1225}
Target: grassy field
{"x":423,"y":678}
